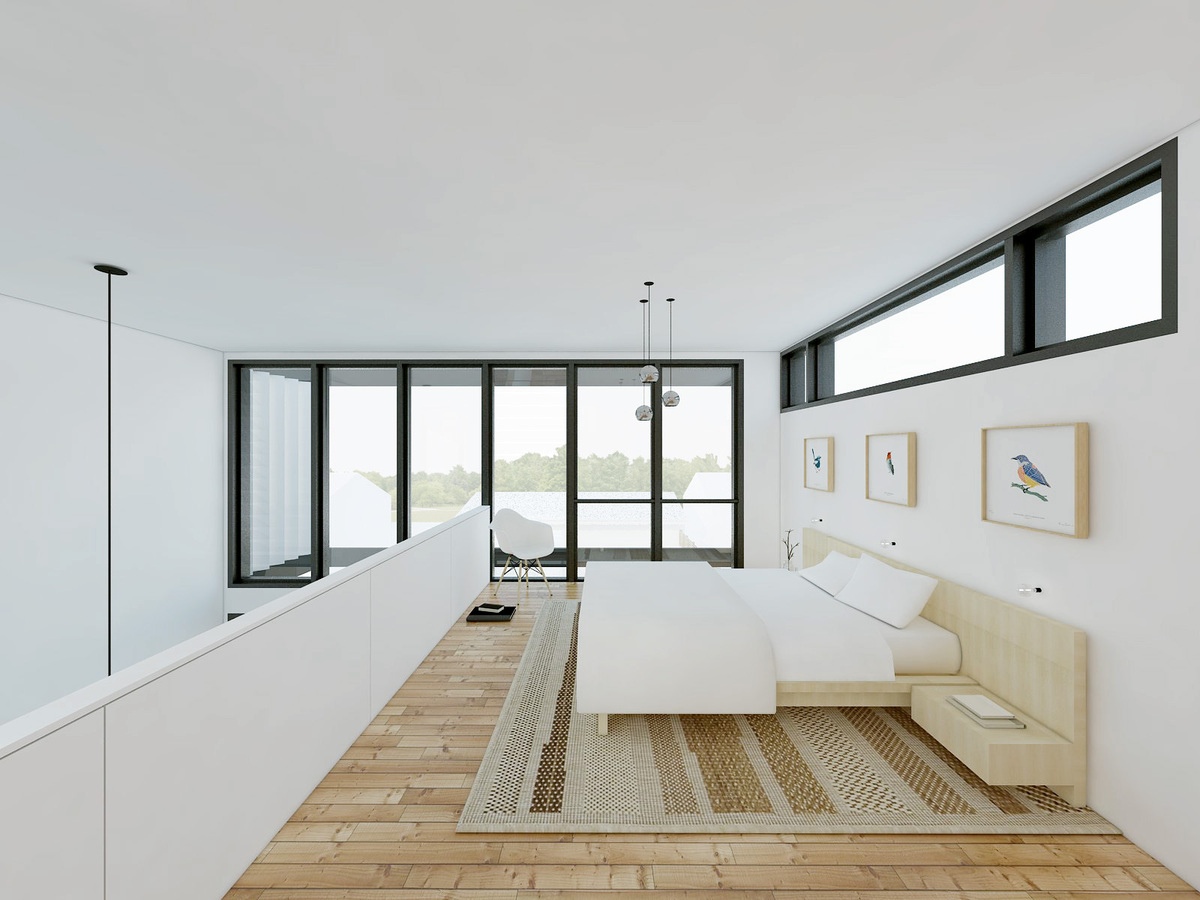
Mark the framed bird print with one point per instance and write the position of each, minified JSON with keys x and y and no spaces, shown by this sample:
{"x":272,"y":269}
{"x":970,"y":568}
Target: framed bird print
{"x":1036,"y":476}
{"x":818,"y":463}
{"x":892,"y":468}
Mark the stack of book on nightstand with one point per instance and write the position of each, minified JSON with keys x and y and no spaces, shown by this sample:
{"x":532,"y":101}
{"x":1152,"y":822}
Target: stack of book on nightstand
{"x":985,"y":712}
{"x":491,"y":612}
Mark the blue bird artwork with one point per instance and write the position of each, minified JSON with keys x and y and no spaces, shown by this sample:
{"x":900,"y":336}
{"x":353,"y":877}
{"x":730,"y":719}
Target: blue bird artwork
{"x":816,"y":460}
{"x":1029,"y":477}
{"x":891,"y":467}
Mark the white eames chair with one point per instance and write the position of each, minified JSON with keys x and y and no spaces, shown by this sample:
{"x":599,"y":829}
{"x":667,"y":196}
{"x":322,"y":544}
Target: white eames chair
{"x":525,"y":541}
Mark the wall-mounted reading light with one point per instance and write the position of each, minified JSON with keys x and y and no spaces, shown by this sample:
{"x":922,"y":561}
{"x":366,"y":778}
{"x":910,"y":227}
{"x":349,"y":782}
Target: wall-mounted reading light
{"x":1028,"y":590}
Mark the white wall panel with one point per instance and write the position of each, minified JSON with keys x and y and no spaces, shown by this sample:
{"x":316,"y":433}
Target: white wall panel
{"x":409,"y":613}
{"x":53,"y":533}
{"x":168,"y":530}
{"x":52,"y":825}
{"x":1130,"y":585}
{"x":207,"y":762}
{"x":761,"y":499}
{"x":470,"y":570}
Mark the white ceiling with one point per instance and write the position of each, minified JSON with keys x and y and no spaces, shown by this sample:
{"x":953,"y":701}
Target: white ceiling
{"x":471,"y":176}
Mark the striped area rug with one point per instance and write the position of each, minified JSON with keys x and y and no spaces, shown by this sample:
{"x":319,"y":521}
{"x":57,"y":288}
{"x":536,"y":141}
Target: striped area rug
{"x":804,"y":769}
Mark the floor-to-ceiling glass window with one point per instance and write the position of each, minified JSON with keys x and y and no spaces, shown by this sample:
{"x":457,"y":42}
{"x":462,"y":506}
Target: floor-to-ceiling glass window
{"x":529,"y":450}
{"x":392,"y":448}
{"x":613,"y":469}
{"x":444,"y":443}
{"x":362,"y":462}
{"x":275,"y":467}
{"x":698,"y":447}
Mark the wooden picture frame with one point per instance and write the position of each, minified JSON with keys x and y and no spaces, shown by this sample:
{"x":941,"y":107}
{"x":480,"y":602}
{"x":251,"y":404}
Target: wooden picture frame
{"x":818,"y":463}
{"x":1018,"y":466}
{"x":892,"y":468}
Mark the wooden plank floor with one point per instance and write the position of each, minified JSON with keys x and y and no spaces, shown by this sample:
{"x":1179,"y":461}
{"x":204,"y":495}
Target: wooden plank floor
{"x":381,"y":825}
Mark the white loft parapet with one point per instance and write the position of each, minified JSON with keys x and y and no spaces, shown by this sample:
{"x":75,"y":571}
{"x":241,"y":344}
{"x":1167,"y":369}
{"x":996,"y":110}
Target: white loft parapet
{"x":168,"y":778}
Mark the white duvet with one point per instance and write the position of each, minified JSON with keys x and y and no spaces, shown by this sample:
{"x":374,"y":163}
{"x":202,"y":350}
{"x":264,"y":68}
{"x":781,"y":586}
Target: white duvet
{"x":813,"y":636}
{"x":670,"y":637}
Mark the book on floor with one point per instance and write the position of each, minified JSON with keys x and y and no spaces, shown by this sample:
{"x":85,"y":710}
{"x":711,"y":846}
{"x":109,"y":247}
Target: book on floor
{"x":490,"y":612}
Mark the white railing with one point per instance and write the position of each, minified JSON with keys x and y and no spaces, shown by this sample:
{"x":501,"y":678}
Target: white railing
{"x":169,"y":777}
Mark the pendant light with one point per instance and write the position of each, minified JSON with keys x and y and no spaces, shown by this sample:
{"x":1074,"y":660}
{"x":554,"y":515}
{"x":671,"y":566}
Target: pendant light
{"x":110,"y":271}
{"x":670,"y":398}
{"x":648,"y":373}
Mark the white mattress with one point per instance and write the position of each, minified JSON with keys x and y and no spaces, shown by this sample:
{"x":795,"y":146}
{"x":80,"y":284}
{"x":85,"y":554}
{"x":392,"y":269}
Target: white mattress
{"x":789,"y":605}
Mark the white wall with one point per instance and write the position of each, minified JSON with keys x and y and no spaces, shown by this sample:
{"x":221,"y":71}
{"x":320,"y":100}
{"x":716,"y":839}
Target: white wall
{"x":1130,"y":585}
{"x":762,"y":463}
{"x":168,"y":532}
{"x":168,"y":419}
{"x":53,"y":546}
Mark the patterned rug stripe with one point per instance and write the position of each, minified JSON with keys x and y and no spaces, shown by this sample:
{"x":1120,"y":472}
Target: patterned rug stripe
{"x":856,"y":780}
{"x":538,"y":660}
{"x":1005,"y":800}
{"x":802,"y":789}
{"x":917,"y":774}
{"x":552,"y":767}
{"x":804,"y":770}
{"x":677,"y":794}
{"x":729,"y":778}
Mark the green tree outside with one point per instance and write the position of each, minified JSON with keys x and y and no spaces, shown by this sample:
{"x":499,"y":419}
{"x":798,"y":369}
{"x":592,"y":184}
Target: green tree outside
{"x":534,"y":472}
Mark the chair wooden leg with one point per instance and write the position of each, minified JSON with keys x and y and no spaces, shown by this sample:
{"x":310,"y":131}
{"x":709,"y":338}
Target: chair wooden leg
{"x":496,"y":589}
{"x":538,"y":563}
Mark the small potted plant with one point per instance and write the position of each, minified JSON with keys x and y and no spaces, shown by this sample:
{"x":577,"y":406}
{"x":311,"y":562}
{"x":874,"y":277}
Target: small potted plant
{"x":790,"y":546}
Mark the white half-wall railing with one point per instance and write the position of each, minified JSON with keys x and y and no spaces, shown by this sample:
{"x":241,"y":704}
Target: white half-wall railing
{"x":169,"y":777}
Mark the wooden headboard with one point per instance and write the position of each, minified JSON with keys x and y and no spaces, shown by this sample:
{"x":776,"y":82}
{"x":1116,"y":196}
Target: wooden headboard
{"x":1034,"y":662}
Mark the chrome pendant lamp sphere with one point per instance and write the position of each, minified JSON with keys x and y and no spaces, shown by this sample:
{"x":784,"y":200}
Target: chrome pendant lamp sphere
{"x":649,"y":374}
{"x":644,"y":413}
{"x":671,"y":399}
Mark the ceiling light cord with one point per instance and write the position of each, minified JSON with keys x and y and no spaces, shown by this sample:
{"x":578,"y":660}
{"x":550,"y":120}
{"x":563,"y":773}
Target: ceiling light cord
{"x":671,"y":343}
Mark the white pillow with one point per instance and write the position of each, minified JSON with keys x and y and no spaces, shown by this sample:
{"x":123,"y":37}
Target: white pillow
{"x":832,"y":573}
{"x":887,"y":593}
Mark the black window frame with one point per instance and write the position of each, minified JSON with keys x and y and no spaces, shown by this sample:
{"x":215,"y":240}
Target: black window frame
{"x":1025,"y":306}
{"x":404,"y":367}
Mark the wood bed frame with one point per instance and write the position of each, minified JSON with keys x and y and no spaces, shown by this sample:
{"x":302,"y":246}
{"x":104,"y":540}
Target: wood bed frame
{"x":1026,"y":660}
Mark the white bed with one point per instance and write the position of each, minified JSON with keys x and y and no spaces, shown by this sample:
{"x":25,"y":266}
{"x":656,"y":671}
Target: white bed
{"x":669,"y":637}
{"x":791,"y":607}
{"x":661,"y":637}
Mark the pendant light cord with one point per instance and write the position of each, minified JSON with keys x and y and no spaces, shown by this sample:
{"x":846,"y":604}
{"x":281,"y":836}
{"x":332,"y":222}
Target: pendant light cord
{"x":671,"y":342}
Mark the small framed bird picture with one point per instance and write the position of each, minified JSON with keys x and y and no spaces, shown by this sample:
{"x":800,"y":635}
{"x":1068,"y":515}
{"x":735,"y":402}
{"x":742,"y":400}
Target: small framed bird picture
{"x":1036,"y":476}
{"x":892,"y":468}
{"x":818,"y":463}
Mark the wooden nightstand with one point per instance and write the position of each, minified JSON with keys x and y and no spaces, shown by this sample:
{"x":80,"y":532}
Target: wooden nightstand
{"x":1001,"y":756}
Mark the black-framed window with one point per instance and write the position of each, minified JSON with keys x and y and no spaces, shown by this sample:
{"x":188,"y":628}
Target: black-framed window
{"x":1096,"y":269}
{"x":272,"y":437}
{"x":951,"y":324}
{"x":459,"y":441}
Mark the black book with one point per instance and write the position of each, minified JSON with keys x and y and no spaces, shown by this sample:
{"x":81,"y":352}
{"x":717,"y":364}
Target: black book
{"x":490,"y":612}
